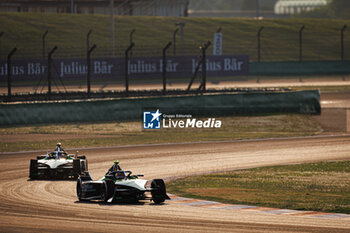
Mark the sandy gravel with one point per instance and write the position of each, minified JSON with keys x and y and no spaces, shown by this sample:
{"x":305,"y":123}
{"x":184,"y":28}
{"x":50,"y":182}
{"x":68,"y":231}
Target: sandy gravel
{"x":52,"y":206}
{"x":37,"y":206}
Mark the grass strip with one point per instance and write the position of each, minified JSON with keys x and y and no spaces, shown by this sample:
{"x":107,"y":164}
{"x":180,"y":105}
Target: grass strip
{"x":130,"y":133}
{"x":321,"y":186}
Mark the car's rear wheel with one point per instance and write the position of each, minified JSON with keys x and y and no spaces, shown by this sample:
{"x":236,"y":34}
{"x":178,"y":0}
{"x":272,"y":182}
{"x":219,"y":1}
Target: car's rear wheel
{"x":76,"y":166}
{"x":33,"y":169}
{"x":79,"y":189}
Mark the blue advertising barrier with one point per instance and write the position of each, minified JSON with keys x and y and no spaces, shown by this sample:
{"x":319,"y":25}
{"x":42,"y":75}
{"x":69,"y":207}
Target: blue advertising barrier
{"x":144,"y":67}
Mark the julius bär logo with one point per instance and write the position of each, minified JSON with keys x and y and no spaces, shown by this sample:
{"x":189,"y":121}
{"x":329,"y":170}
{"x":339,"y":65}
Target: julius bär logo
{"x":152,"y":120}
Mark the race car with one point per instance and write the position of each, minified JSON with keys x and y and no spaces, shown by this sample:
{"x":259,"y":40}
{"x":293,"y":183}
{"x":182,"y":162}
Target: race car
{"x":57,"y":165}
{"x":120,"y":186}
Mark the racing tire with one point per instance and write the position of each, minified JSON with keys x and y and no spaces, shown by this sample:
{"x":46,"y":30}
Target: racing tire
{"x":33,"y":169}
{"x":110,"y":188}
{"x":83,"y":166}
{"x":104,"y":192}
{"x":79,"y":189}
{"x":158,"y":191}
{"x":76,"y":166}
{"x":81,"y":157}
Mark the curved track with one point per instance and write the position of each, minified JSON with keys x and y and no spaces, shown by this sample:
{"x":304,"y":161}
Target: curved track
{"x":37,"y":206}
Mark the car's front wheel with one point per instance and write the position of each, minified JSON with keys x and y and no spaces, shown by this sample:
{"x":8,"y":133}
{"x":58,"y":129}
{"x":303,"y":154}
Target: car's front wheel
{"x":158,"y":191}
{"x":104,"y":192}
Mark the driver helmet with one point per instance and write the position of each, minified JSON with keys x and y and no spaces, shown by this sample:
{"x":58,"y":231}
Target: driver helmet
{"x":58,"y":144}
{"x":116,"y":162}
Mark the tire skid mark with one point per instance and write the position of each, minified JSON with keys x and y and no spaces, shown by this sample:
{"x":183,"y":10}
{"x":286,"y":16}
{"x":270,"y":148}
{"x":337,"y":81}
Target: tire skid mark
{"x":42,"y":206}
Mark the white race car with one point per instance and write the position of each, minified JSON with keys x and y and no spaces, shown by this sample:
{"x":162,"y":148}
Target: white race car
{"x":57,"y":165}
{"x":120,"y":186}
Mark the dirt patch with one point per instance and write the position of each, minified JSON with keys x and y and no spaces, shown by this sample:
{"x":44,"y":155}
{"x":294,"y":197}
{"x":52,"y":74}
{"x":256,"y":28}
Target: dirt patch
{"x":41,"y":137}
{"x":332,"y":119}
{"x":334,"y":116}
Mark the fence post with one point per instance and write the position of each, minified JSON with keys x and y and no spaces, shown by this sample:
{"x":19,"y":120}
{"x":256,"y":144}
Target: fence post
{"x":44,"y":43}
{"x":111,"y":7}
{"x":1,"y":34}
{"x":88,"y":41}
{"x":195,"y":74}
{"x":9,"y":73}
{"x":259,"y":43}
{"x":204,"y":65}
{"x":174,"y":41}
{"x":72,"y":11}
{"x":49,"y":60}
{"x":301,"y":43}
{"x":88,"y":53}
{"x":131,"y":39}
{"x":127,"y":68}
{"x":165,"y":65}
{"x":181,"y":25}
{"x":342,"y":42}
{"x":89,"y":69}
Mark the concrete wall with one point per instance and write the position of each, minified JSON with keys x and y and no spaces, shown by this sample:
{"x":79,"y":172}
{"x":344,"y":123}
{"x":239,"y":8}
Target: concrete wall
{"x":299,"y":68}
{"x":132,"y":108}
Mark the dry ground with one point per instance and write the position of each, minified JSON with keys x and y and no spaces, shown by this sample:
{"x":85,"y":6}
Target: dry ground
{"x":52,"y":206}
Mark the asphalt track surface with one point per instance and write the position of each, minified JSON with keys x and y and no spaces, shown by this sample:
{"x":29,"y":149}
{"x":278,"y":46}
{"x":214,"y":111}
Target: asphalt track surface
{"x":52,"y":206}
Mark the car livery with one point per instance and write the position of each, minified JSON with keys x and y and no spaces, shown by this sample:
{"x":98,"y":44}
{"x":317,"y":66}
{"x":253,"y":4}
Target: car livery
{"x":57,"y":165}
{"x":120,"y":186}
